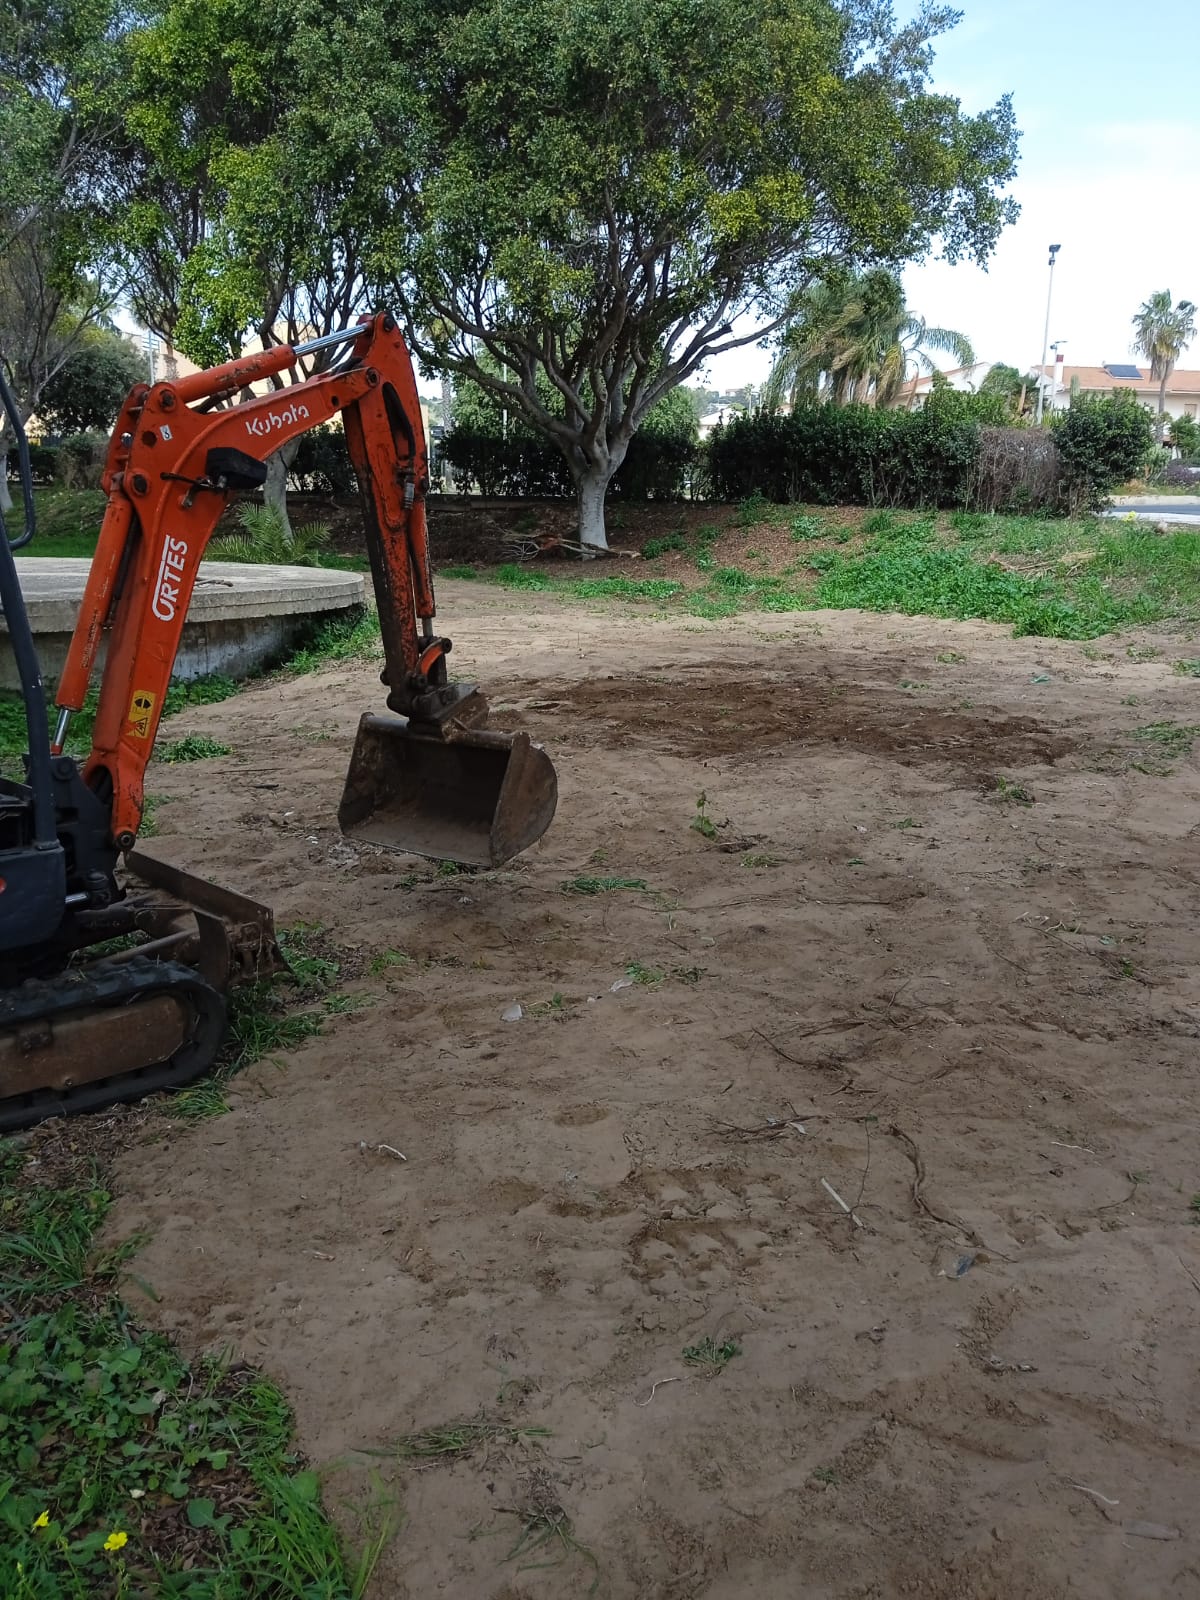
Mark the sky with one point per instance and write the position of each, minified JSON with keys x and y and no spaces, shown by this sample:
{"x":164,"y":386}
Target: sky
{"x":1105,"y":95}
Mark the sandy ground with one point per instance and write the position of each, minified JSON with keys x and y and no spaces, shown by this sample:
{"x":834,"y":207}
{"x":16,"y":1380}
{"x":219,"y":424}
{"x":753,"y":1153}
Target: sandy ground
{"x":975,"y":1019}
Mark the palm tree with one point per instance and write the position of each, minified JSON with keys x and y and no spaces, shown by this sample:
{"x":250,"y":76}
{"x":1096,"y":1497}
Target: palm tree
{"x":1161,"y":333}
{"x":854,"y":339}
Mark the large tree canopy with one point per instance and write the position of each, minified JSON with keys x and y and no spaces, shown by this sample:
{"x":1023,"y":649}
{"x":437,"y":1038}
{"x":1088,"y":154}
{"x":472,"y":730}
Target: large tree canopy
{"x":61,"y":87}
{"x":607,"y":193}
{"x":241,"y":221}
{"x":88,"y":390}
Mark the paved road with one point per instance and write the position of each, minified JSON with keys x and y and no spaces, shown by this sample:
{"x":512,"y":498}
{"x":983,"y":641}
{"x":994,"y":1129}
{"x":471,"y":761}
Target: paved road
{"x":1177,"y":508}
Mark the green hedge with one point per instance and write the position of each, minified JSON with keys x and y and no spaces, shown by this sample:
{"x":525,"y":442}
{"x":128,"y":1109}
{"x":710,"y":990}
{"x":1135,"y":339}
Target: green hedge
{"x":655,"y":468}
{"x":949,"y":454}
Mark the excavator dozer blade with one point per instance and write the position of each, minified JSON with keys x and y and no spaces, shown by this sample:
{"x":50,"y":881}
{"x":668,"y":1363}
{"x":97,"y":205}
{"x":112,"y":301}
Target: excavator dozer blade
{"x":235,"y":935}
{"x":478,"y":797}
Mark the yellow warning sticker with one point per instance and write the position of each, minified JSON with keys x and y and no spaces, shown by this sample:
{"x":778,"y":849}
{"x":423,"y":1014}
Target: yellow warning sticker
{"x":140,"y":708}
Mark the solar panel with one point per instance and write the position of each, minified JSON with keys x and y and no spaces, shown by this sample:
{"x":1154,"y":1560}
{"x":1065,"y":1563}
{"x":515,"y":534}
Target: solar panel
{"x":1122,"y":371}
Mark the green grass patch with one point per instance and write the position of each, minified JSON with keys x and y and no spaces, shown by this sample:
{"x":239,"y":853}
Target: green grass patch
{"x":806,"y":527}
{"x":270,"y":1017}
{"x":352,"y":636}
{"x":624,"y":588}
{"x":123,"y":1472}
{"x":192,"y":747}
{"x":13,"y":740}
{"x":458,"y":572}
{"x":67,"y":520}
{"x":589,"y":886}
{"x":711,"y":1354}
{"x":951,"y":583}
{"x":661,"y":546}
{"x":513,"y":576}
{"x":1174,"y":738}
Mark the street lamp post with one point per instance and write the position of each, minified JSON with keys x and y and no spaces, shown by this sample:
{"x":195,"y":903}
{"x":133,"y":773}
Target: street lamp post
{"x":1054,"y":249}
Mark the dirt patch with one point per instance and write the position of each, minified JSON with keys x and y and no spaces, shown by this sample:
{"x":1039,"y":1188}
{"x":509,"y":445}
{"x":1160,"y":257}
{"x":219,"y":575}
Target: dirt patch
{"x":975,"y":1025}
{"x":720,"y":713}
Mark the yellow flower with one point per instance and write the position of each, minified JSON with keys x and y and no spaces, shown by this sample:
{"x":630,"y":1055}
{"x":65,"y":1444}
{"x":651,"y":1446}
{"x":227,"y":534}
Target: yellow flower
{"x":42,"y":1520}
{"x":116,"y":1541}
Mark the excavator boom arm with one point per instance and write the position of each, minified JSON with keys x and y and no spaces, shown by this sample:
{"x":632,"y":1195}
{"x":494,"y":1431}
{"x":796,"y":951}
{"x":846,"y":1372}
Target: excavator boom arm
{"x":168,"y":476}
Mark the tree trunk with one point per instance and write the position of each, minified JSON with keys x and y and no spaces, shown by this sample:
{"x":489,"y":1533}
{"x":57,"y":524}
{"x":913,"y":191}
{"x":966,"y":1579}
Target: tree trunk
{"x":591,"y":487}
{"x":6,"y":503}
{"x":1162,"y":408}
{"x":447,"y":424}
{"x":275,"y":488}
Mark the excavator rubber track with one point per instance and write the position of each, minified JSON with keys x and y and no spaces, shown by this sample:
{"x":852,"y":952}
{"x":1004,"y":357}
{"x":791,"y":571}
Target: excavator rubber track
{"x":54,"y":1031}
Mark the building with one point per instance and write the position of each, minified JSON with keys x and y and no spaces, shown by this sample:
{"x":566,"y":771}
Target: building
{"x":1182,"y":396}
{"x":917,"y":390}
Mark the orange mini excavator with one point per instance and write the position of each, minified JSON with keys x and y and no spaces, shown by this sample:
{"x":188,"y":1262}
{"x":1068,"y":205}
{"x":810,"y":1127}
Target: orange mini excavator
{"x":82,"y":1027}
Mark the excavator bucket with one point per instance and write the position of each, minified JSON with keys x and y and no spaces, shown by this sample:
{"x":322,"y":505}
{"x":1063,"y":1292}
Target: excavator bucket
{"x":475,"y":796}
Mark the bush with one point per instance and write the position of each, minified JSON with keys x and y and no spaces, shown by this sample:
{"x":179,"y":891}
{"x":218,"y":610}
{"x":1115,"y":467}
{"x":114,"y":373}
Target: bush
{"x":79,"y":460}
{"x":949,"y":454}
{"x":1105,"y":440}
{"x":848,"y":455}
{"x":264,"y":540}
{"x":656,"y":467}
{"x":1179,"y":476}
{"x":43,"y":462}
{"x":1018,"y":470}
{"x":1185,"y":437}
{"x":322,"y":465}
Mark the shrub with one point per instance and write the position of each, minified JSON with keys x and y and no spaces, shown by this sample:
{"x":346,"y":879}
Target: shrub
{"x":847,"y":455}
{"x":1185,"y":437}
{"x":79,"y":460}
{"x":1105,"y":440}
{"x":656,"y":467}
{"x":1179,"y":476}
{"x":264,"y":539}
{"x":948,"y":454}
{"x":321,"y":464}
{"x":1018,"y":470}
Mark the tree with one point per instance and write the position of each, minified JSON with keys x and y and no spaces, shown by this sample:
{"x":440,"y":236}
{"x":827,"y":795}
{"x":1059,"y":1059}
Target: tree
{"x":854,"y":339}
{"x":1185,"y":437}
{"x":1162,"y":331}
{"x":609,"y":196}
{"x":243,"y":210}
{"x":60,"y":68}
{"x":1007,"y":381}
{"x":86,"y":393}
{"x":61,"y":85}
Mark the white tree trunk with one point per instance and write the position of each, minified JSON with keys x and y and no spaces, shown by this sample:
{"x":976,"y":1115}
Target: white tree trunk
{"x":275,"y":488}
{"x":6,"y":503}
{"x":591,"y":486}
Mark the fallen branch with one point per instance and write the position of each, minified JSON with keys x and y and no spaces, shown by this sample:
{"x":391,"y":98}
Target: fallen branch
{"x":657,"y":1385}
{"x":827,"y":1027}
{"x":919,"y":1200}
{"x":831,"y":1191}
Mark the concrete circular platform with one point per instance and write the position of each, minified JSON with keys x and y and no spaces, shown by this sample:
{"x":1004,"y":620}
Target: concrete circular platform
{"x":240,"y":618}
